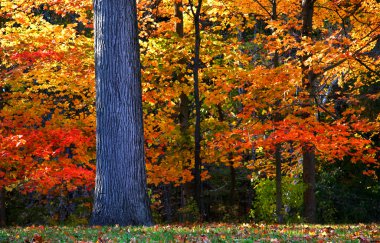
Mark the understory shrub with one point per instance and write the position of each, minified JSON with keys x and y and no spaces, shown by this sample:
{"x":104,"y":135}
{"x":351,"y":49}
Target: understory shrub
{"x":264,"y":206}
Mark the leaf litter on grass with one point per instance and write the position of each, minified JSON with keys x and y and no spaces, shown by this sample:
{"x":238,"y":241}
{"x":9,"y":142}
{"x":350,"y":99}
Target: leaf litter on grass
{"x":202,"y":233}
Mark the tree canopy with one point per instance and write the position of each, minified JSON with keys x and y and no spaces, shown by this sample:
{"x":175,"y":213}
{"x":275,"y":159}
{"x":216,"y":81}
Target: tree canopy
{"x":267,"y":82}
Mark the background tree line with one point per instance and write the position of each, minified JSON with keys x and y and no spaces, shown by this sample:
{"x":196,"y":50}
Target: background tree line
{"x":261,"y":109}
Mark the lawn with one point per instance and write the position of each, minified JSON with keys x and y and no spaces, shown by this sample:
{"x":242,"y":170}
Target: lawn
{"x":195,"y":233}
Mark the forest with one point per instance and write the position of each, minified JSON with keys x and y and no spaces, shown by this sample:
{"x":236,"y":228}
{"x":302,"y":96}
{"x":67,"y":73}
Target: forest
{"x":254,"y":111}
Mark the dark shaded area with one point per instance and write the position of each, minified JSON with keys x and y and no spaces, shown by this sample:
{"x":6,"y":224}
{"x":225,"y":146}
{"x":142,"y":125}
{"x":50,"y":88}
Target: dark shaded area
{"x":345,"y":195}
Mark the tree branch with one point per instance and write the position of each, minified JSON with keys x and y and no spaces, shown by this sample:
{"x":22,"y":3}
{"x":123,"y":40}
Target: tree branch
{"x":366,"y":66}
{"x":263,"y":7}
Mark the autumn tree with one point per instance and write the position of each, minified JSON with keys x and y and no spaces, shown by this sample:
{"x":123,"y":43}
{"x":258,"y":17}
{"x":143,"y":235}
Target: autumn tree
{"x":267,"y":90}
{"x":46,"y":99}
{"x":314,"y":52}
{"x":196,"y":10}
{"x":308,"y":79}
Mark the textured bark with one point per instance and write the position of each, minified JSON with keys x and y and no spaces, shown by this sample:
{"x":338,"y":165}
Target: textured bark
{"x":308,"y":79}
{"x":197,"y":133}
{"x":120,"y":193}
{"x":309,"y":180}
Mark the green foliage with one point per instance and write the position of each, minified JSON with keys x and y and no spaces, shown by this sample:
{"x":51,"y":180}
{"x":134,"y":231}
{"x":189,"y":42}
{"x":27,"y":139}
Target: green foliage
{"x":35,"y":209}
{"x":227,"y":203}
{"x":190,"y":212}
{"x":344,"y":196}
{"x":264,"y":207}
{"x":24,"y":210}
{"x":194,"y":233}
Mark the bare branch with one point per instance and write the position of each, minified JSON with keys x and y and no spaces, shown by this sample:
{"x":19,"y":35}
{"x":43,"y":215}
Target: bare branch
{"x":366,"y":66}
{"x":263,"y":7}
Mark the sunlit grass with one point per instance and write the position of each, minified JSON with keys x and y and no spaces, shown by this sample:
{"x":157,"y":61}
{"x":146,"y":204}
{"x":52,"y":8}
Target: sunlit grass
{"x":195,"y":233}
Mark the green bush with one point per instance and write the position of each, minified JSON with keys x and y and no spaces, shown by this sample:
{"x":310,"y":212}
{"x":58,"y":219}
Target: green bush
{"x":264,"y":206}
{"x":345,"y":195}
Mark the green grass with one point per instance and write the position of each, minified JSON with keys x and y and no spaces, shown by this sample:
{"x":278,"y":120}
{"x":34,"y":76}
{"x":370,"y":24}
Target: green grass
{"x":196,"y":233}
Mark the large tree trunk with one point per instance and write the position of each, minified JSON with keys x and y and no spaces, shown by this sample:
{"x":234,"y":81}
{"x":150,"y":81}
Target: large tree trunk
{"x":120,"y":192}
{"x":308,"y":79}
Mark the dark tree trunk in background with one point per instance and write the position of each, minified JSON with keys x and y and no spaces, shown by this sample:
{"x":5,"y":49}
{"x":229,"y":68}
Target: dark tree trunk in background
{"x":2,"y":191}
{"x":184,"y":114}
{"x":308,"y":79}
{"x":120,"y":192}
{"x":279,"y":211}
{"x":178,"y":13}
{"x":307,"y":17}
{"x":2,"y":208}
{"x":278,"y":159}
{"x":309,"y":180}
{"x":233,"y":200}
{"x":166,"y":191}
{"x":197,"y":134}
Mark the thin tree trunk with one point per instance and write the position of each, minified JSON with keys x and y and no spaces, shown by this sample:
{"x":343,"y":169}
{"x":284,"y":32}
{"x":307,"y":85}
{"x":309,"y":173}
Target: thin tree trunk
{"x":184,"y":114}
{"x":184,"y":109}
{"x":182,"y":216}
{"x":197,"y":133}
{"x":178,"y":13}
{"x":278,"y":159}
{"x":2,"y":104}
{"x":120,"y":192}
{"x":279,"y":211}
{"x":2,"y":208}
{"x":309,"y":180}
{"x":232,"y":184}
{"x":167,"y":202}
{"x":308,"y":79}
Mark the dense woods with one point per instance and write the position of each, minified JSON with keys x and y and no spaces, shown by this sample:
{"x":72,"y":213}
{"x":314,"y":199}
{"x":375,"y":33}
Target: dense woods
{"x":254,"y":110}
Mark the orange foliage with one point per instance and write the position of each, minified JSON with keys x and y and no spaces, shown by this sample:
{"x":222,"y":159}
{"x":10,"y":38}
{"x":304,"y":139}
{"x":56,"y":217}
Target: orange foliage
{"x":47,"y":88}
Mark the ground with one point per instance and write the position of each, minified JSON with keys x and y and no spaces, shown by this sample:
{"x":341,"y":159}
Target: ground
{"x":195,"y":233}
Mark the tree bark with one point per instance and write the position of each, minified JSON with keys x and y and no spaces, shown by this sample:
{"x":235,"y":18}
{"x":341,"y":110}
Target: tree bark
{"x":184,"y":112}
{"x":178,"y":13}
{"x":307,"y":17}
{"x":278,"y":159}
{"x":279,"y":211}
{"x":166,"y":191}
{"x":309,"y":180}
{"x":232,"y":184}
{"x":2,"y":208}
{"x":120,"y":192}
{"x":308,"y":79}
{"x":197,"y":133}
